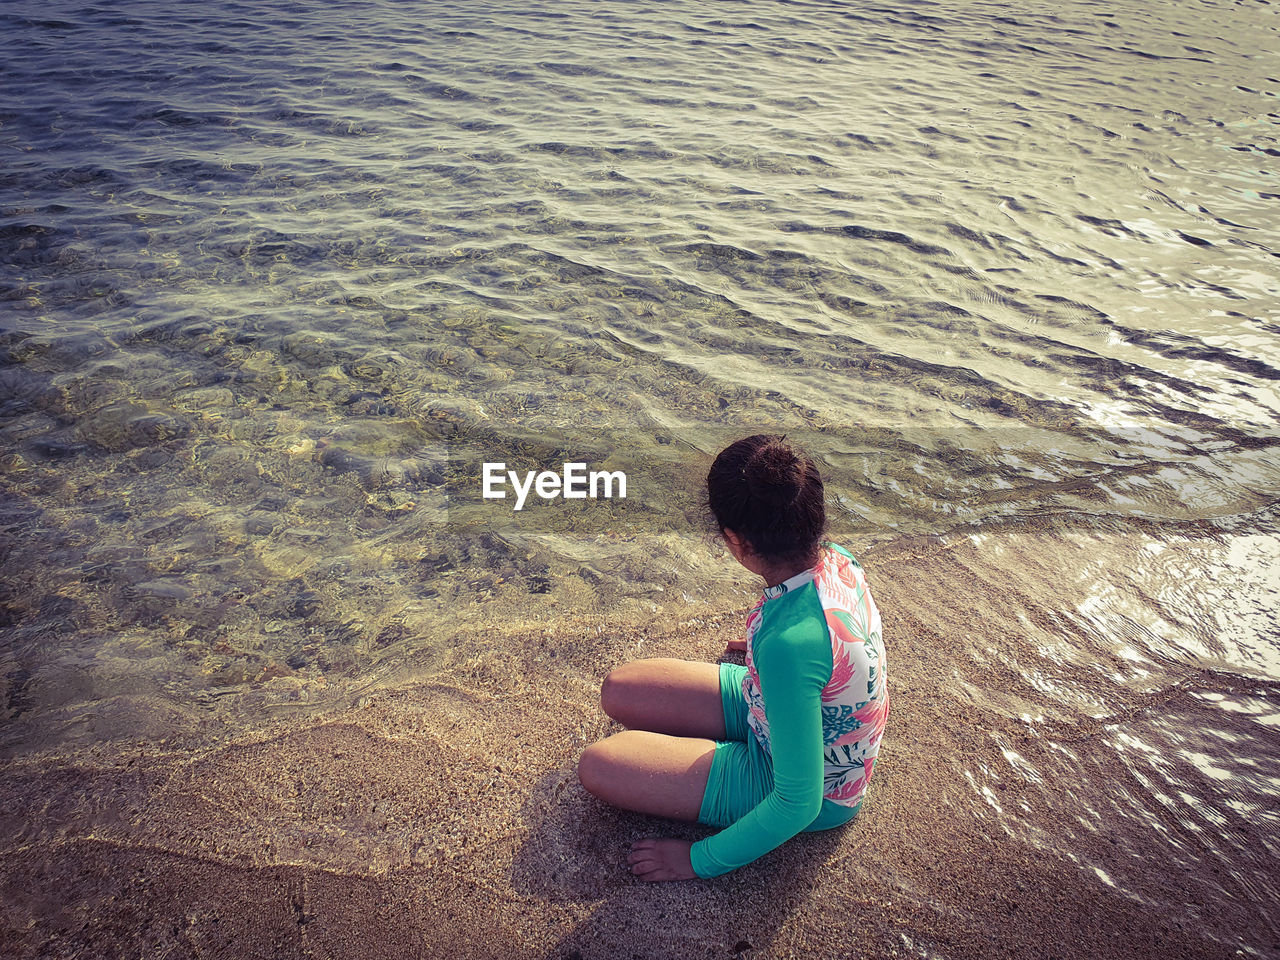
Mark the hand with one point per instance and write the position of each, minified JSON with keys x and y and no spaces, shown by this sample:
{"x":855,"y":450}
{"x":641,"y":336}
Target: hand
{"x":652,"y":859}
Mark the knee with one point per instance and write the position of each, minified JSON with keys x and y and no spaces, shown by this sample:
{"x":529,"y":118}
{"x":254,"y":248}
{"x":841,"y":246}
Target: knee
{"x":618,"y":691}
{"x":593,"y":769}
{"x":613,"y":691}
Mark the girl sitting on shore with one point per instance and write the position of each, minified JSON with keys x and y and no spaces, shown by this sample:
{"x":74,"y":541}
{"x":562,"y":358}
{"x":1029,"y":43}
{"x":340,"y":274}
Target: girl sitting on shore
{"x":786,"y":743}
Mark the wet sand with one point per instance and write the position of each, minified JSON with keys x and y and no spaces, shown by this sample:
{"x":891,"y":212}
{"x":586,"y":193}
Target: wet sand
{"x":443,"y":817}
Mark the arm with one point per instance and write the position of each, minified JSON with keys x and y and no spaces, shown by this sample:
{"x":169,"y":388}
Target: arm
{"x":794,"y":666}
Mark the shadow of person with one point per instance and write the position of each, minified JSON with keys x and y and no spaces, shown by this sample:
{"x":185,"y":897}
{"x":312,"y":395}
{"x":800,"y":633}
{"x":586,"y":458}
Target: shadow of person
{"x":574,"y":859}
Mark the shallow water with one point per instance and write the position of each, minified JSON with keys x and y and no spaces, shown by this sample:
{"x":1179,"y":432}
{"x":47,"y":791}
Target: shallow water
{"x":278,"y":278}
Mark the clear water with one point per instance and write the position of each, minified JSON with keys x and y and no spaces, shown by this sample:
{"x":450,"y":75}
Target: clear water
{"x":279,"y":277}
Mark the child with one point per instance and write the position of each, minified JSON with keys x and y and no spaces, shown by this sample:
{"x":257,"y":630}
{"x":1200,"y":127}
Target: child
{"x":782,"y":745}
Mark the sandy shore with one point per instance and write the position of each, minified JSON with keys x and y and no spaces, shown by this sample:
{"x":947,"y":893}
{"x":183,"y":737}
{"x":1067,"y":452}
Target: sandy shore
{"x":444,"y":818}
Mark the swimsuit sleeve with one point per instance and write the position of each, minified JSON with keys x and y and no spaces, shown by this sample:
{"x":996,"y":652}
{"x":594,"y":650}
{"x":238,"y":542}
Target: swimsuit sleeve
{"x":794,"y":665}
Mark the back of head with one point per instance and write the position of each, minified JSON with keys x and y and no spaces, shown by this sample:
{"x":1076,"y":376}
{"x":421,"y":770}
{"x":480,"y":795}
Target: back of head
{"x":766,"y":491}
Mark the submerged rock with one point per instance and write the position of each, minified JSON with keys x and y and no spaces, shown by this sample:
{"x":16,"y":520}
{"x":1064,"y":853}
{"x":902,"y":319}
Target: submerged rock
{"x":119,"y":427}
{"x":377,"y":472}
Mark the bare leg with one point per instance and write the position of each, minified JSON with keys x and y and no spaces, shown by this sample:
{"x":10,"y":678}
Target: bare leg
{"x":649,"y":772}
{"x":677,"y":697}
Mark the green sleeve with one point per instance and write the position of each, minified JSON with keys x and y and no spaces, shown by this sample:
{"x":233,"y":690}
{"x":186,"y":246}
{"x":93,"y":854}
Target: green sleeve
{"x":794,"y":665}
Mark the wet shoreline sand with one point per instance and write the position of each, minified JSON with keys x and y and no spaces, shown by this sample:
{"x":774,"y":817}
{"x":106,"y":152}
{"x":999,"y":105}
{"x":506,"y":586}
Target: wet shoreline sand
{"x":443,"y":817}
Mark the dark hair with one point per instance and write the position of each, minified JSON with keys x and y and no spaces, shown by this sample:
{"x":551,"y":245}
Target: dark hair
{"x":771,"y":494}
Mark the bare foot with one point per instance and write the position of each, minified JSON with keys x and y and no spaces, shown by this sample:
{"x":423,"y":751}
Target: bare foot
{"x":653,"y":859}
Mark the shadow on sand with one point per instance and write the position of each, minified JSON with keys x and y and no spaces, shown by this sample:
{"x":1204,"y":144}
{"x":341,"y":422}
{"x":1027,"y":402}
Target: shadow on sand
{"x":574,"y":859}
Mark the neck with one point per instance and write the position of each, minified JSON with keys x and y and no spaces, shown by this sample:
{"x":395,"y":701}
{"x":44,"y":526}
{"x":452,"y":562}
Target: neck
{"x":775,"y":573}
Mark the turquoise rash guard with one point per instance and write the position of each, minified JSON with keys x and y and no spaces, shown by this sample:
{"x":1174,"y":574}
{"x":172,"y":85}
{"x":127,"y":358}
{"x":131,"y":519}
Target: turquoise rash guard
{"x":792,"y":652}
{"x":804,"y":717}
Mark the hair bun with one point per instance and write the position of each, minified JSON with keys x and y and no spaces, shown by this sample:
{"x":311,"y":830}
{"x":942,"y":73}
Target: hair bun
{"x":769,"y":493}
{"x":775,"y":475}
